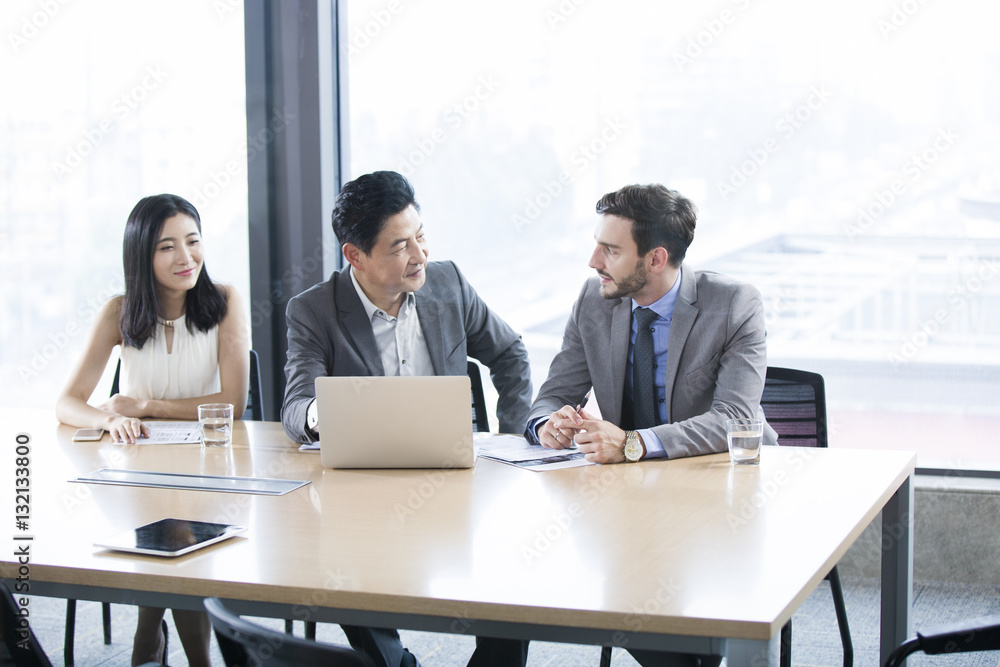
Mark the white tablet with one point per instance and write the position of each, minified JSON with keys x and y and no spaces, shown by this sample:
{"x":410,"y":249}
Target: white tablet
{"x":171,"y":537}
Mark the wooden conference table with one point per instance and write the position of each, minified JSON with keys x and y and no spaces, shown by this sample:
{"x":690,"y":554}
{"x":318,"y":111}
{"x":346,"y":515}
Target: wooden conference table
{"x":693,"y":554}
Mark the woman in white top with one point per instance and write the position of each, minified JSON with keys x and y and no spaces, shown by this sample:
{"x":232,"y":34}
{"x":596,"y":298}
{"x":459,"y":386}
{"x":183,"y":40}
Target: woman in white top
{"x":184,"y":342}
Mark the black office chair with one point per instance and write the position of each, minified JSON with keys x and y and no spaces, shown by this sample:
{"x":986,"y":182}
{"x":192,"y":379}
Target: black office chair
{"x":794,"y":404}
{"x":246,"y":644}
{"x":972,"y":636}
{"x":22,"y":647}
{"x":480,"y":421}
{"x":255,"y":400}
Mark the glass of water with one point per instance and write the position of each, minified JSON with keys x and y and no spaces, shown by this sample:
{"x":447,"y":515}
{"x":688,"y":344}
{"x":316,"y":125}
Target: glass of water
{"x":216,"y":423}
{"x":745,"y":437}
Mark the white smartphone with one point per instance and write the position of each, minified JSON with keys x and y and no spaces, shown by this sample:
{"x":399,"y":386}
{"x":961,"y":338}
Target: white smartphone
{"x":88,"y":434}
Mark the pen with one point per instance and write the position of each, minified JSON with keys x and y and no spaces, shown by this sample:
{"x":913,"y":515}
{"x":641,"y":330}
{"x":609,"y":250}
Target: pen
{"x":586,"y":399}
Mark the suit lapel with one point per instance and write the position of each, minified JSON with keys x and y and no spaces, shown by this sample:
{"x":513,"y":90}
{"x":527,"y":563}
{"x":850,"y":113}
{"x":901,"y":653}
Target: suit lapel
{"x":430,"y":313}
{"x":685,"y":314}
{"x":356,"y":325}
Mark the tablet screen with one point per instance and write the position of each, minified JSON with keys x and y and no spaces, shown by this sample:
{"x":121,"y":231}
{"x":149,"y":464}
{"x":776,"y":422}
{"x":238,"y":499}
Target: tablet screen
{"x":171,"y":537}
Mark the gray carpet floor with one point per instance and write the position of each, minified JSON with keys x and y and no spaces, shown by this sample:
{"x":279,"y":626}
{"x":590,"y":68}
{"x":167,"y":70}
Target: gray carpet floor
{"x":816,"y":641}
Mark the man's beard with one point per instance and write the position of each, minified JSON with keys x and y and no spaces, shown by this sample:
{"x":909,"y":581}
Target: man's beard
{"x":628,"y":285}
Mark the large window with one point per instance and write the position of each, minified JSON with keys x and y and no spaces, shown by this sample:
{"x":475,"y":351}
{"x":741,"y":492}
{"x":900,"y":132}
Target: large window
{"x":842,"y":156}
{"x":105,"y":102}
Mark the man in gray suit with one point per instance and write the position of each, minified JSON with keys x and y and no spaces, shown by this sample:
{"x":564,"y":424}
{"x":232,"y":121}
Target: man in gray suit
{"x":664,"y":388}
{"x":391,"y":312}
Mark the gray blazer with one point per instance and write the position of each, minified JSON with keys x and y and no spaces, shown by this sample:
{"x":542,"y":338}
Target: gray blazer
{"x":716,"y":360}
{"x":329,"y":334}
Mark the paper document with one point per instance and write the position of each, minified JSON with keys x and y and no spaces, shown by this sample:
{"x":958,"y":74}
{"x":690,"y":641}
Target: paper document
{"x":171,"y":433}
{"x":515,"y":450}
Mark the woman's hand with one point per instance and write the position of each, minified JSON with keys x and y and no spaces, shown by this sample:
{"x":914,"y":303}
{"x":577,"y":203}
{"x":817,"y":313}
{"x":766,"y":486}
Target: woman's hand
{"x":127,"y":429}
{"x":125,"y":406}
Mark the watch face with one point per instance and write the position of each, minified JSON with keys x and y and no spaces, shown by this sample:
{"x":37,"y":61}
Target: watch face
{"x":633,"y":450}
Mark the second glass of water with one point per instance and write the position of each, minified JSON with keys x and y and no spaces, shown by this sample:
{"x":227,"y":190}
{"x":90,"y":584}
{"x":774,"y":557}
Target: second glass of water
{"x":745,"y":437}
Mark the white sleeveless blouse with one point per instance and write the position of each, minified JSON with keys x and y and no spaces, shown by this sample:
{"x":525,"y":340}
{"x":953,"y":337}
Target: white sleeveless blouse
{"x":191,"y":369}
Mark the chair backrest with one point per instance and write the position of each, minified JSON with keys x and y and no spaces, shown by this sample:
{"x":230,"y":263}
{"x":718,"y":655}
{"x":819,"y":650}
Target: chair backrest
{"x":19,"y":640}
{"x":246,"y":644}
{"x":255,"y":400}
{"x":794,"y":404}
{"x":480,"y":421}
{"x":970,"y":636}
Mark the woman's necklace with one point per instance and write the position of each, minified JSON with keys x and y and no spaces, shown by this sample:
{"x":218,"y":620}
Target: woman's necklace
{"x":167,"y":323}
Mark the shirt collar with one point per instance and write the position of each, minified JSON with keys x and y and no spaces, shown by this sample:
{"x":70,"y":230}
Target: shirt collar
{"x":371,"y":309}
{"x":664,"y":306}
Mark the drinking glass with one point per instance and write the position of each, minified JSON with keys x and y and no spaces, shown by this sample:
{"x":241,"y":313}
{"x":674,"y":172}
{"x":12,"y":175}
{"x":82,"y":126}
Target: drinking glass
{"x":745,"y":437}
{"x":216,"y":423}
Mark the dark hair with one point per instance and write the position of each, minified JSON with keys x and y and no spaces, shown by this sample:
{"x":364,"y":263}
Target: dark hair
{"x":660,"y":218}
{"x":205,"y":304}
{"x":366,"y":203}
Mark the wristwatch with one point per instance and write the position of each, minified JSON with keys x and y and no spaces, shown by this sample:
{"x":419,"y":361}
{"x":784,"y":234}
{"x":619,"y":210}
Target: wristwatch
{"x":633,"y":449}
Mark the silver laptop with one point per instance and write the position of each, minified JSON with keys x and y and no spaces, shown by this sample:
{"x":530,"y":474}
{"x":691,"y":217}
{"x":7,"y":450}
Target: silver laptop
{"x":395,"y":422}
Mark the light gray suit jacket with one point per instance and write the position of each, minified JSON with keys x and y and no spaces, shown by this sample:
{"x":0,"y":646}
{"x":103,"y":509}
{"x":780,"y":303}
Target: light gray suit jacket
{"x":716,"y":360}
{"x":329,"y":334}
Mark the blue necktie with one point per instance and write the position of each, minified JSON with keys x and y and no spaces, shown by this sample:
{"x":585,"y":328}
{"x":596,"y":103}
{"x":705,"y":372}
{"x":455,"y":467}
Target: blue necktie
{"x":643,"y":371}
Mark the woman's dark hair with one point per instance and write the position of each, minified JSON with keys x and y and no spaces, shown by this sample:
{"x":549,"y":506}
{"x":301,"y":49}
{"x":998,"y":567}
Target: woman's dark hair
{"x":205,"y":304}
{"x":660,"y":217}
{"x":366,"y":203}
